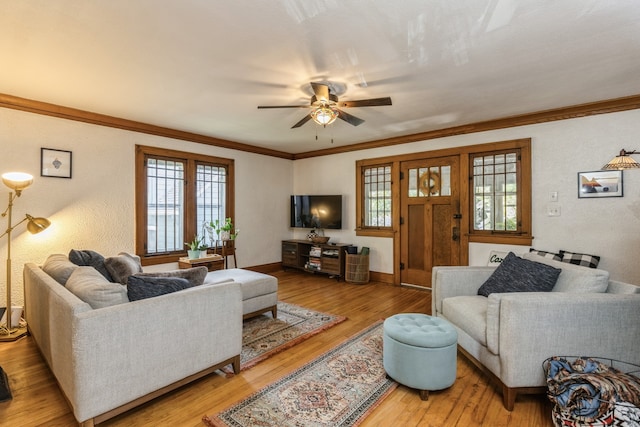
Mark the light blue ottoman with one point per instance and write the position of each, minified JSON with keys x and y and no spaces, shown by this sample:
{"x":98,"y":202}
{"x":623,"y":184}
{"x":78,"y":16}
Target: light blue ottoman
{"x":420,"y":351}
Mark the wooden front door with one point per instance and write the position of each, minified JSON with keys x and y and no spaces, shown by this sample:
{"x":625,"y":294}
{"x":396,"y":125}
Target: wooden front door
{"x":430,"y":217}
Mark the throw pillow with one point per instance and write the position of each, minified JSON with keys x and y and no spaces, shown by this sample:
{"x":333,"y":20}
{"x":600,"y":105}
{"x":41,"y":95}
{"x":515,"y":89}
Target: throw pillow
{"x":93,"y":288}
{"x":575,"y":278}
{"x":141,"y":287}
{"x":194,"y":275}
{"x":495,"y":258}
{"x":90,"y":259}
{"x":515,"y":274}
{"x":546,"y":254}
{"x":122,"y":266}
{"x":59,"y":267}
{"x":585,"y":260}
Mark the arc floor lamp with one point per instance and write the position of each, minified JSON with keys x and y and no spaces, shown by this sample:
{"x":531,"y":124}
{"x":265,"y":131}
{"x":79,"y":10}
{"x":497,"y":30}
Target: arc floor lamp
{"x":16,"y":181}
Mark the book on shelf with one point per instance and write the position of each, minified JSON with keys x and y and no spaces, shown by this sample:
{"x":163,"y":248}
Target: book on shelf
{"x":315,"y":251}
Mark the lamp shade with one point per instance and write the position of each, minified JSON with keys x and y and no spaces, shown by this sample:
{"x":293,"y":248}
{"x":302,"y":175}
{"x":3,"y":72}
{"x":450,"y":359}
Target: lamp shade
{"x":622,"y":161}
{"x":36,"y":225}
{"x":17,"y":181}
{"x":324,"y":115}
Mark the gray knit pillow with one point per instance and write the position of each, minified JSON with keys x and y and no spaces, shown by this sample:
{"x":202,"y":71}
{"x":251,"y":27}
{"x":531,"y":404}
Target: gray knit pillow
{"x":515,"y":274}
{"x":194,"y":275}
{"x":141,"y":287}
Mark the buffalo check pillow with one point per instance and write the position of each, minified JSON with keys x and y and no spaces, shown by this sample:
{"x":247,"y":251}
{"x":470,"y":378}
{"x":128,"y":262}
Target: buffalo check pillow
{"x":584,"y":260}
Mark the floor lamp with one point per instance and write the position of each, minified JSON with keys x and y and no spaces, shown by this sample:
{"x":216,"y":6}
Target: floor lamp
{"x":16,"y":181}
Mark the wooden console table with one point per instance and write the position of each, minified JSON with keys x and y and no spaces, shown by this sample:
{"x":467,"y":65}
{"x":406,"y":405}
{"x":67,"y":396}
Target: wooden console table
{"x":212,"y":262}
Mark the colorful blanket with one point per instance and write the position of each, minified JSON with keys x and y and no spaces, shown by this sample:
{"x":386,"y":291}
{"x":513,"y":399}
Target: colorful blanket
{"x":587,"y":392}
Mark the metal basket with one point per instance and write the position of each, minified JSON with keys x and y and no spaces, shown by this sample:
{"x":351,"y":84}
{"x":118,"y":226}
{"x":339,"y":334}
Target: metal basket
{"x":576,"y":399}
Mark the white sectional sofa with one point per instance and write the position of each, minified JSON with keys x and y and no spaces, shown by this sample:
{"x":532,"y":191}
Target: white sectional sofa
{"x":109,"y":355}
{"x":509,"y":335}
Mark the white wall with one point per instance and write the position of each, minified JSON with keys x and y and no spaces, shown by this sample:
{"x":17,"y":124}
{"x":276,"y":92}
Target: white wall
{"x":95,"y":209}
{"x":609,"y":227}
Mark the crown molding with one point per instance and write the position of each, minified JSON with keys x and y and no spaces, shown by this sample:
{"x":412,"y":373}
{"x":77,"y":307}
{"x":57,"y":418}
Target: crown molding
{"x":562,"y":113}
{"x":38,"y":107}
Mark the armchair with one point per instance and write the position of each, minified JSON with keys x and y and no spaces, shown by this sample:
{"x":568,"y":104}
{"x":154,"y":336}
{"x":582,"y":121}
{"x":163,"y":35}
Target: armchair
{"x":509,"y":335}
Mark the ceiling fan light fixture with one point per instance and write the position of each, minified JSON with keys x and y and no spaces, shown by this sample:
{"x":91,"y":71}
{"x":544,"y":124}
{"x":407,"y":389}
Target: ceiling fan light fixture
{"x":324,"y":115}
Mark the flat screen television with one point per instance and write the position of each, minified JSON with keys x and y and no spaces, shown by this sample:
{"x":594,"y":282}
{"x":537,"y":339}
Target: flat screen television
{"x":316,"y":211}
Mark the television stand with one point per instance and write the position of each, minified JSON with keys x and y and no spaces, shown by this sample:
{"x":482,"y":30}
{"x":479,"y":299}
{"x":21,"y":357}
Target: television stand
{"x":324,"y":258}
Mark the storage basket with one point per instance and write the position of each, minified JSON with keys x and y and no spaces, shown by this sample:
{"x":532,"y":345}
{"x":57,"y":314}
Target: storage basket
{"x":591,"y":391}
{"x":357,"y":269}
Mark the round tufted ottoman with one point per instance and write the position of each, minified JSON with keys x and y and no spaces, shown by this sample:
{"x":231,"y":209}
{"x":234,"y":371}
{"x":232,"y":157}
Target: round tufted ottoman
{"x":419,"y":351}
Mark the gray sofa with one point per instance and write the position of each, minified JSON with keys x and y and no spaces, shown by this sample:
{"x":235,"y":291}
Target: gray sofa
{"x":109,"y":355}
{"x":509,"y":335}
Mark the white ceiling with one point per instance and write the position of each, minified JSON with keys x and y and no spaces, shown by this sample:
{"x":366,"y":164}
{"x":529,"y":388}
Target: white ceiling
{"x":204,"y":66}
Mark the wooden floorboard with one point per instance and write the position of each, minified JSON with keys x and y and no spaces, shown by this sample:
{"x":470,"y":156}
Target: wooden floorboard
{"x":471,"y":401}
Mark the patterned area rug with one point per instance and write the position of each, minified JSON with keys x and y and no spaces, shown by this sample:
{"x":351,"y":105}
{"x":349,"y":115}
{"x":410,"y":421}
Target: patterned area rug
{"x":339,"y":388}
{"x":262,"y":336}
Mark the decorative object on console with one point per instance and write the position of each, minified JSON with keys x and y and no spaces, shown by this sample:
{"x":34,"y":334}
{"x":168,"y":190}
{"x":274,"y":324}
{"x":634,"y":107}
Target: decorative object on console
{"x":17,"y":181}
{"x":622,"y":161}
{"x":55,"y":163}
{"x":598,"y":184}
{"x":196,"y":247}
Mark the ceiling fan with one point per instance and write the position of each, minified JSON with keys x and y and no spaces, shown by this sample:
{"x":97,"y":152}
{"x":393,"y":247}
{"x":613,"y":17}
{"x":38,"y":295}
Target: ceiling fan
{"x":326,"y":107}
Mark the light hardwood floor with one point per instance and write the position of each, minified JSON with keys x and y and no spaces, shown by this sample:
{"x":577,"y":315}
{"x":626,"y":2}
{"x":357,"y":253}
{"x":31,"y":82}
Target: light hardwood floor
{"x":471,"y":401}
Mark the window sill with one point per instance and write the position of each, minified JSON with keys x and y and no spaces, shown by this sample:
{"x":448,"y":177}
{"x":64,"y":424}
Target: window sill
{"x":524,"y":240}
{"x":375,"y":232}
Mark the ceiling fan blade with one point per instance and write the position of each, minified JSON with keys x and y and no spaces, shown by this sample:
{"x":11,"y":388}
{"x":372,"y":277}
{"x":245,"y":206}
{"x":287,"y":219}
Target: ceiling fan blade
{"x":282,"y":106}
{"x":304,"y":120}
{"x":321,"y":91}
{"x":352,"y":120}
{"x":374,"y":102}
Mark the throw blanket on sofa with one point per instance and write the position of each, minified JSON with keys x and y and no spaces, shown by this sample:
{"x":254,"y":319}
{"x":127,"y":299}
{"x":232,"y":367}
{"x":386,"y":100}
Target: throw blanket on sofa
{"x":591,"y":393}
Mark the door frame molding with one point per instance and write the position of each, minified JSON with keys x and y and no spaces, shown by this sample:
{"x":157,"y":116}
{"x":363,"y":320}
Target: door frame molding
{"x":463,"y":152}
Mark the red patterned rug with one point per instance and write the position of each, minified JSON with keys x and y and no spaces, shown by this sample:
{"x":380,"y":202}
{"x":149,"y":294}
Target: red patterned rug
{"x":262,"y":336}
{"x":339,"y":388}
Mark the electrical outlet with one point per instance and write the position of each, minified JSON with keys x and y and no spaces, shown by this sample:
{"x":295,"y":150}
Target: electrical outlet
{"x":553,"y":210}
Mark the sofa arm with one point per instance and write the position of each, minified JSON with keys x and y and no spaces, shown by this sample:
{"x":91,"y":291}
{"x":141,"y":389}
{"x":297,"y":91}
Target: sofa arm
{"x":456,"y":281}
{"x":535,"y":326}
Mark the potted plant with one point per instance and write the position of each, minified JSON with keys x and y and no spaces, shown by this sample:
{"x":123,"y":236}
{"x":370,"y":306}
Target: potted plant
{"x":225,"y":229}
{"x":196,"y":246}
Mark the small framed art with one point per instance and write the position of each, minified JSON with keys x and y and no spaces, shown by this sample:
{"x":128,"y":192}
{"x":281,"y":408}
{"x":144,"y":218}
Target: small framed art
{"x":599,"y":184}
{"x":55,"y":163}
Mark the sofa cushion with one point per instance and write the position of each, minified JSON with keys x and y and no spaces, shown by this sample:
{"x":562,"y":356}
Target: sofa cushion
{"x":574,"y":278}
{"x":469,"y":313}
{"x":59,"y":267}
{"x":585,"y":260}
{"x":122,"y":266}
{"x":141,"y":287}
{"x":90,"y":259}
{"x":252,"y":283}
{"x":93,"y":288}
{"x":516,"y":274}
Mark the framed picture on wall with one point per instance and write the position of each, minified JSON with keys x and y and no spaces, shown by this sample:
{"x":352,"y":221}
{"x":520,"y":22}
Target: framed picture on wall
{"x":55,"y":163}
{"x":598,"y":184}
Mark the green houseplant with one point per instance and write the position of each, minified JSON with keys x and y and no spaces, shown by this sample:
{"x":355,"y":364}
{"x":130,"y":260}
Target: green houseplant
{"x":196,"y":246}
